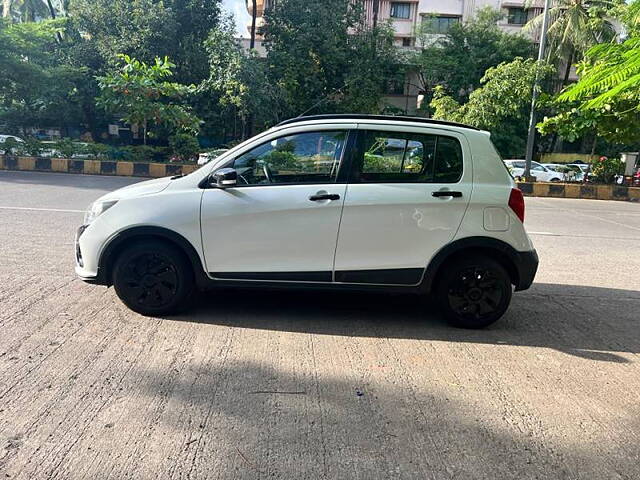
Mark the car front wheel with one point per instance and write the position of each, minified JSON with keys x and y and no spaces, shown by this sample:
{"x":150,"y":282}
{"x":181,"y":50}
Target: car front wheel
{"x":153,"y":278}
{"x":474,"y":292}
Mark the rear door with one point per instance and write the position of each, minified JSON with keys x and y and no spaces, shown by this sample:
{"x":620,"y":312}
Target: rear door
{"x":407,"y":193}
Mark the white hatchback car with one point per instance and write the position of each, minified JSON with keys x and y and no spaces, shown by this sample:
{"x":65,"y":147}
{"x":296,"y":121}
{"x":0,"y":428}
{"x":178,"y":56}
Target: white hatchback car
{"x":542,"y":173}
{"x":331,"y":201}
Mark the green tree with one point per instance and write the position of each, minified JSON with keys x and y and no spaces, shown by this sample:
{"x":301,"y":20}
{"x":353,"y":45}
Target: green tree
{"x":193,"y":19}
{"x":574,"y":27}
{"x":143,"y":96}
{"x":102,"y":29}
{"x":459,"y":59}
{"x":238,"y":79}
{"x":500,"y":105}
{"x":606,"y":99}
{"x":323,"y":58}
{"x":36,"y":87}
{"x":99,"y":30}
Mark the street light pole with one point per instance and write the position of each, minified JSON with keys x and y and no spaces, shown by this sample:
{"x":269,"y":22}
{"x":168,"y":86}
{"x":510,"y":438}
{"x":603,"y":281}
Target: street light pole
{"x":531,"y":137}
{"x":376,"y":8}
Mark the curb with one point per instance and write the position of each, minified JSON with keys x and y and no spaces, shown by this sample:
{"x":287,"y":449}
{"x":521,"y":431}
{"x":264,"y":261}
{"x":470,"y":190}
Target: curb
{"x":94,"y":167}
{"x":575,"y":190}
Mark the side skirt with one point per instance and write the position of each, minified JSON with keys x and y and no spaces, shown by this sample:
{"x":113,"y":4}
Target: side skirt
{"x":403,"y":278}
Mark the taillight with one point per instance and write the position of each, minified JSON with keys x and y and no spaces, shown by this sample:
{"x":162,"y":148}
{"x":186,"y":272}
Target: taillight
{"x":516,"y":202}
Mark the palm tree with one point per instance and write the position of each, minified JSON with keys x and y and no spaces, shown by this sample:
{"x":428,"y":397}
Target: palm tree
{"x":574,"y":27}
{"x":613,"y":70}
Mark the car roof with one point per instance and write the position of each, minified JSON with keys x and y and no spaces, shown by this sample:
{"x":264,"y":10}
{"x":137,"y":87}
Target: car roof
{"x":384,"y":118}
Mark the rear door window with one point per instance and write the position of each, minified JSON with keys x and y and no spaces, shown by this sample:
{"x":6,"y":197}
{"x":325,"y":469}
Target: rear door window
{"x":392,"y":157}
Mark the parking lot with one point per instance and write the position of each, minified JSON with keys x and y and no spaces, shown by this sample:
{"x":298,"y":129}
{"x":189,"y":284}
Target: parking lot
{"x":317,"y":385}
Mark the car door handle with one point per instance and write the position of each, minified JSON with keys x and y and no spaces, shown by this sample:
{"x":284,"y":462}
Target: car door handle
{"x":446,"y":193}
{"x":324,"y":196}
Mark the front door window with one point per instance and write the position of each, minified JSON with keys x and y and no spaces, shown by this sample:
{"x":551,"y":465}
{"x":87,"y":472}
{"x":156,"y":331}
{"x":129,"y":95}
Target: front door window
{"x":303,"y":158}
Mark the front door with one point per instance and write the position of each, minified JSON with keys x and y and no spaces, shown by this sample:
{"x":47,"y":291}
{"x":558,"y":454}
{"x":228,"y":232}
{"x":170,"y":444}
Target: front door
{"x":281,"y":220}
{"x":405,"y":200}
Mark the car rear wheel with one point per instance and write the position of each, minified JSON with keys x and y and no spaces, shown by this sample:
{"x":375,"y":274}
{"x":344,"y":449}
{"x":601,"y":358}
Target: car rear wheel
{"x":153,"y":278}
{"x":474,"y":292}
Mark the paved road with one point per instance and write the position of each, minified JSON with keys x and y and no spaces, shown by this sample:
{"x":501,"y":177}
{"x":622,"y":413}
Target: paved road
{"x":291,"y":385}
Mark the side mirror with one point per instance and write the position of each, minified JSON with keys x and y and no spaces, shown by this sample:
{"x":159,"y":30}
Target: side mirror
{"x":224,"y":178}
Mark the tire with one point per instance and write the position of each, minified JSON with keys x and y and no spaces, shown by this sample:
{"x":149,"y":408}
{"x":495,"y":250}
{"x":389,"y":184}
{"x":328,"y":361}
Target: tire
{"x":470,"y":302}
{"x":153,"y":278}
{"x":555,"y":179}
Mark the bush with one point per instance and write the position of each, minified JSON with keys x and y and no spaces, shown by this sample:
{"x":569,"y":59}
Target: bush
{"x":33,"y":147}
{"x":65,"y":147}
{"x":97,"y":150}
{"x":140,"y":153}
{"x":184,"y":147}
{"x":605,"y":169}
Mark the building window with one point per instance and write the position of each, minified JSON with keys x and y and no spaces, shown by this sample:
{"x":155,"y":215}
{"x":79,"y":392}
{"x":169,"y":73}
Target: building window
{"x":439,"y":24}
{"x":406,"y":41}
{"x":400,"y":10}
{"x":516,"y":16}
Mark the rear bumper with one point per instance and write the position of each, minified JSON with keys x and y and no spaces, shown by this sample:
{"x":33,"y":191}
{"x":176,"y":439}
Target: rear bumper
{"x":526,"y":265}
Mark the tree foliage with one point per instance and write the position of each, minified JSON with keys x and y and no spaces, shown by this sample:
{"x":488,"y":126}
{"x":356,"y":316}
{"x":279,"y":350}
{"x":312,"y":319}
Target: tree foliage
{"x":606,"y":99}
{"x":103,"y":29}
{"x":238,"y":77}
{"x":35,"y":86}
{"x":323,"y":59}
{"x":574,"y":27}
{"x":141,"y":93}
{"x":459,"y":59}
{"x":500,"y":105}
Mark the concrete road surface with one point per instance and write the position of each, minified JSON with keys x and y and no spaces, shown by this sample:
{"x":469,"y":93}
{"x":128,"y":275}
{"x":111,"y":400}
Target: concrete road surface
{"x":296,"y":385}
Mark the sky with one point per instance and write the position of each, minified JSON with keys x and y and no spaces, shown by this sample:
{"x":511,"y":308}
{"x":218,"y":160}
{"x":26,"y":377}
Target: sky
{"x":238,"y":8}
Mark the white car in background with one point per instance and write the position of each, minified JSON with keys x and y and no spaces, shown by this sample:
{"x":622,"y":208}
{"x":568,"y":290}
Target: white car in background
{"x":539,"y":171}
{"x":584,"y":167}
{"x":206,"y":157}
{"x":570,"y":173}
{"x":4,"y":138}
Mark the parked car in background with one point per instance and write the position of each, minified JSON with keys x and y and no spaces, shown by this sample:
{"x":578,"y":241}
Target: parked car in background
{"x":540,"y":172}
{"x":570,"y":173}
{"x":585,"y":168}
{"x":52,"y":149}
{"x":205,"y":157}
{"x":4,"y":138}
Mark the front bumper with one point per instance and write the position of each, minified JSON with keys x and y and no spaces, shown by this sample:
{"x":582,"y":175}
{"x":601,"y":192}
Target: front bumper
{"x":526,"y":265}
{"x":82,"y":269}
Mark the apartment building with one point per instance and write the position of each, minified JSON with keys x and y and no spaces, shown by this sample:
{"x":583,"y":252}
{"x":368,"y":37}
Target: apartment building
{"x":406,"y":16}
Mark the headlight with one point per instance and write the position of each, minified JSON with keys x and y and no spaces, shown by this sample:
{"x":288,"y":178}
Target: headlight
{"x":96,"y":209}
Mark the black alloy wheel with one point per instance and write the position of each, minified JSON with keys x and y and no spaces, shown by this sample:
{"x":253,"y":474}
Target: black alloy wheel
{"x":153,"y":278}
{"x":474,"y":292}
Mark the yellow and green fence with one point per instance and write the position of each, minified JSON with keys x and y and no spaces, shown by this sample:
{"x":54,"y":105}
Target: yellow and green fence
{"x":149,"y":169}
{"x":94,"y":167}
{"x":576,"y":190}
